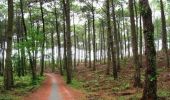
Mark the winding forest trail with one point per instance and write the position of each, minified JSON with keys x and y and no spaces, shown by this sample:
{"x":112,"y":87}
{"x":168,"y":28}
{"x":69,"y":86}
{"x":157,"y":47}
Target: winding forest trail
{"x":54,"y":88}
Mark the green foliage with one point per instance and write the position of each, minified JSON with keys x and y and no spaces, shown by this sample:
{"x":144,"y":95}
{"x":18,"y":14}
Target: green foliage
{"x":76,"y":84}
{"x":23,"y":85}
{"x":123,"y":86}
{"x":34,"y":40}
{"x":163,"y":93}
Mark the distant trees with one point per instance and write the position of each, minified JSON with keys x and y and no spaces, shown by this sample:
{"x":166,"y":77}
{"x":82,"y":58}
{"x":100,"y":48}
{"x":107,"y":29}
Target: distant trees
{"x":105,"y":32}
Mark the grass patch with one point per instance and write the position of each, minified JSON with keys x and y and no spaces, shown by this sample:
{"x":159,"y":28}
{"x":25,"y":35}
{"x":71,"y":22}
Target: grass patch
{"x":164,"y":93}
{"x":74,"y":83}
{"x":122,"y":87}
{"x":22,"y":86}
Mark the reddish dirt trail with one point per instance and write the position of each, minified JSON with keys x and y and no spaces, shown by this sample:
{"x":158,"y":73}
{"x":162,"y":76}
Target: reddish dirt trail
{"x":65,"y":92}
{"x":43,"y":92}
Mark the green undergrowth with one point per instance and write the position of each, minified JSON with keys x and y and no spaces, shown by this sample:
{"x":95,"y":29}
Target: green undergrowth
{"x":22,"y":87}
{"x":74,"y":83}
{"x":164,"y":93}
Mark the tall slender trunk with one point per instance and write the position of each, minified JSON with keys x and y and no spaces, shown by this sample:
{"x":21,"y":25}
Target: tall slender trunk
{"x":94,"y":38}
{"x":64,"y":31}
{"x":101,"y":43}
{"x":104,"y":44}
{"x":137,"y":80}
{"x":164,"y":34}
{"x":58,"y":41}
{"x":68,"y":35}
{"x":110,"y":44}
{"x":33,"y":69}
{"x":116,"y":37}
{"x":128,"y":38}
{"x":123,"y":16}
{"x":89,"y":42}
{"x":52,"y":50}
{"x":85,"y":40}
{"x":150,"y":86}
{"x":140,"y":42}
{"x":1,"y":71}
{"x":8,"y":74}
{"x":43,"y":43}
{"x":74,"y":41}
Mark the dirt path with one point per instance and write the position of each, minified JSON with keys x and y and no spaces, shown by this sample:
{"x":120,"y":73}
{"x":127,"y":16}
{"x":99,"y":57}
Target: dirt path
{"x":54,"y":88}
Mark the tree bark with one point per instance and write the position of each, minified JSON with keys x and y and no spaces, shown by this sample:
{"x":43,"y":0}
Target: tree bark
{"x":94,"y":38}
{"x":116,"y":38}
{"x":150,"y":86}
{"x":58,"y":41}
{"x":89,"y":42}
{"x":137,"y":80}
{"x":110,"y":43}
{"x":43,"y":44}
{"x":68,"y":35}
{"x":8,"y":74}
{"x":164,"y":34}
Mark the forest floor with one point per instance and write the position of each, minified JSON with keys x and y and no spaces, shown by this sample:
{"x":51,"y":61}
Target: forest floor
{"x":50,"y":87}
{"x":99,"y":86}
{"x":55,"y":88}
{"x":22,"y":86}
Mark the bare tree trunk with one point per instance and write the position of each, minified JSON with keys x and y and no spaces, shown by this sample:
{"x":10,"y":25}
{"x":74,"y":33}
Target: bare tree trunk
{"x":43,"y":44}
{"x":8,"y":74}
{"x":128,"y":38}
{"x":164,"y":34}
{"x":74,"y":29}
{"x":104,"y":44}
{"x":137,"y":80}
{"x":140,"y":42}
{"x":116,"y":38}
{"x":68,"y":35}
{"x":52,"y":48}
{"x":89,"y":43}
{"x":94,"y":38}
{"x":150,"y":87}
{"x":110,"y":44}
{"x":85,"y":30}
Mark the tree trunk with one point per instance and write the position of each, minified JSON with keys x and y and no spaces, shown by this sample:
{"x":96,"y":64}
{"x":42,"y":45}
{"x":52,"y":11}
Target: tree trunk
{"x":94,"y":38}
{"x":104,"y":44}
{"x":140,"y":42}
{"x":8,"y":74}
{"x":150,"y":87}
{"x":74,"y":42}
{"x":68,"y":35}
{"x":89,"y":43}
{"x":137,"y":80}
{"x":58,"y":41}
{"x":110,"y":44}
{"x":85,"y":31}
{"x":164,"y":34}
{"x":116,"y":38}
{"x":33,"y":69}
{"x":43,"y":44}
{"x":52,"y":48}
